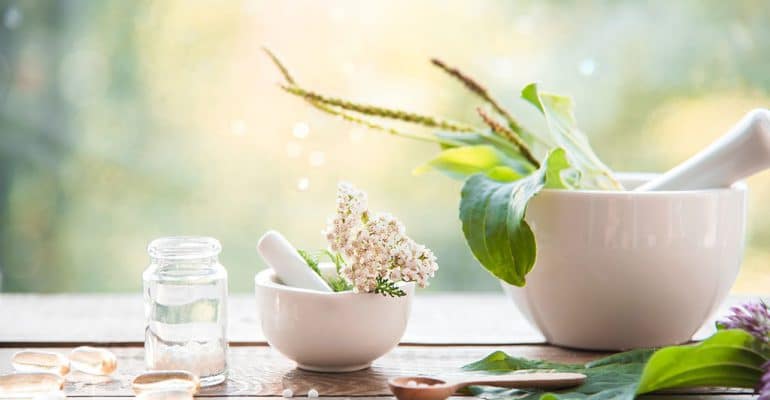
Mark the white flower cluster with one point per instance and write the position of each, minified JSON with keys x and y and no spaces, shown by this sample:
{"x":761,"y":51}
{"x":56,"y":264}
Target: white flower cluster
{"x":375,"y":245}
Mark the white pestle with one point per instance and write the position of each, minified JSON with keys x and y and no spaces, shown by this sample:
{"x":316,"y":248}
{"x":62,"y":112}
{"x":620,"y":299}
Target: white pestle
{"x":290,"y":268}
{"x":740,"y":153}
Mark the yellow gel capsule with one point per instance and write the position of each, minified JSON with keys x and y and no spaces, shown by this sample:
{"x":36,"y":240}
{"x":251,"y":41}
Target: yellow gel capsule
{"x":30,"y":383}
{"x":93,"y":360}
{"x":40,"y":361}
{"x":82,"y":378}
{"x":155,"y":381}
{"x":165,"y":395}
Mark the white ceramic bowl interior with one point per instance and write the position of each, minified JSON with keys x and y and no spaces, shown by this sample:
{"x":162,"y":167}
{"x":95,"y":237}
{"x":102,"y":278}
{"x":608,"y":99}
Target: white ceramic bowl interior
{"x":620,"y":270}
{"x":330,"y":332}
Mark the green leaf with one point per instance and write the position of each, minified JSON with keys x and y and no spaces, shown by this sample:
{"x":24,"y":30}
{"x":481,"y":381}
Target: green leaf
{"x":530,"y":94}
{"x":388,"y":288}
{"x":503,"y":174}
{"x":339,"y":284}
{"x":492,"y":215}
{"x":536,"y":141}
{"x":730,"y":358}
{"x":499,"y":361}
{"x":475,"y":139}
{"x":559,"y":115}
{"x":614,"y":377}
{"x":335,"y":258}
{"x":556,"y":166}
{"x":462,"y":162}
{"x":627,"y":357}
{"x":310,"y":260}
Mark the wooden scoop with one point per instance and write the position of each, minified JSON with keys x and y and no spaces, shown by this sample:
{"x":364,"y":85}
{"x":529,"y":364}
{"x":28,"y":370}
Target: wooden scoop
{"x":425,"y":388}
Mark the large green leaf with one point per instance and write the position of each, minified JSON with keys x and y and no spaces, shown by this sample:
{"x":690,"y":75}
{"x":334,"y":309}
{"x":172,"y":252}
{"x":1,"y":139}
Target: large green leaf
{"x":730,"y":358}
{"x":503,"y":174}
{"x":475,"y":139}
{"x":614,"y":377}
{"x":500,"y":362}
{"x":462,"y":162}
{"x":558,"y":171}
{"x":492,"y":215}
{"x":559,"y":115}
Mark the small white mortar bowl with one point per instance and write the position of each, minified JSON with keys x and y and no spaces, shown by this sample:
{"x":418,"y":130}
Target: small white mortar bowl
{"x":620,"y":270}
{"x":330,"y":332}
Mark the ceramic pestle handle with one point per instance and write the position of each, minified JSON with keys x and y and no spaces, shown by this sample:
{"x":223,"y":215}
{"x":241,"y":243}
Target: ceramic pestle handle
{"x":290,"y":268}
{"x":742,"y":152}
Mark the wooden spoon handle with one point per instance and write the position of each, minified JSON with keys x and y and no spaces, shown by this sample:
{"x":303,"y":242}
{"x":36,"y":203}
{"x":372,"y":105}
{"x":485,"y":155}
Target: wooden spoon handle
{"x":535,"y":380}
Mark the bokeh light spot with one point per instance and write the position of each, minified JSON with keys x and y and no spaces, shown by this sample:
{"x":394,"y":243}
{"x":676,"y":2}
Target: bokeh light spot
{"x":12,"y":18}
{"x":317,"y":158}
{"x":587,"y":67}
{"x":238,"y":127}
{"x":301,"y":130}
{"x":303,"y":184}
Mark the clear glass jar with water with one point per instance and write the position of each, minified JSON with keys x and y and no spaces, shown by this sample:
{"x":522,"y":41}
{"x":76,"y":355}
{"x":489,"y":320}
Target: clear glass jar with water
{"x":185,"y":305}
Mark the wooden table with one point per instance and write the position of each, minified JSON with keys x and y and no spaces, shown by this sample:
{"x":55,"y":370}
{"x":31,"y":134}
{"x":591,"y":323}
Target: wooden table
{"x":446,"y":332}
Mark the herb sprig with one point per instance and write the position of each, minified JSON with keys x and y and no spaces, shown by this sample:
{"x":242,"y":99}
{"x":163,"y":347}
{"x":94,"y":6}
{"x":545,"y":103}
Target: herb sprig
{"x":499,"y":156}
{"x":337,"y":283}
{"x":388,"y":288}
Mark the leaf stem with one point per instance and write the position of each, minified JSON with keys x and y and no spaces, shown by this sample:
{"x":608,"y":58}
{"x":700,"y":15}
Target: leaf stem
{"x":613,"y":181}
{"x":329,"y":109}
{"x":391,"y":131}
{"x":375,"y":111}
{"x":510,"y":135}
{"x":480,"y":91}
{"x":279,"y":65}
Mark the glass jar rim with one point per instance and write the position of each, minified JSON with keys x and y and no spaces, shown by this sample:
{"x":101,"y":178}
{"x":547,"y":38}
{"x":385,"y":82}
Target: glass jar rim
{"x":184,"y":248}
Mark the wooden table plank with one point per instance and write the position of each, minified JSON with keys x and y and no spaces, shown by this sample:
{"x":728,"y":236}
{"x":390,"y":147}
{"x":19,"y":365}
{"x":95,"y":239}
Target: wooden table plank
{"x":119,"y":318}
{"x":489,"y":321}
{"x":487,"y":318}
{"x":261,"y":371}
{"x":648,"y":397}
{"x":699,"y":396}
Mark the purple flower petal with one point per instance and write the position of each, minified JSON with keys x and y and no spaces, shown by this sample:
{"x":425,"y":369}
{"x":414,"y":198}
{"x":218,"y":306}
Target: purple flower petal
{"x":754,"y":318}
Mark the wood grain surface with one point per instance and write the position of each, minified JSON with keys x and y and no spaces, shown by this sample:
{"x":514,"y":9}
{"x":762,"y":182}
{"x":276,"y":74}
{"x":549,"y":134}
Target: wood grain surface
{"x":446,"y":331}
{"x":646,"y":397}
{"x":456,"y":318}
{"x":119,"y":318}
{"x":260,"y":371}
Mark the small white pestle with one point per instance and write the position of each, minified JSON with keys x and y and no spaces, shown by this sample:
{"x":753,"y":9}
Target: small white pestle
{"x":290,"y":268}
{"x":742,"y":152}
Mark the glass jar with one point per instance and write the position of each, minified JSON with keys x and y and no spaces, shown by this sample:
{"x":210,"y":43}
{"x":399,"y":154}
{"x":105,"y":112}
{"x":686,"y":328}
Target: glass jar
{"x":185,"y":306}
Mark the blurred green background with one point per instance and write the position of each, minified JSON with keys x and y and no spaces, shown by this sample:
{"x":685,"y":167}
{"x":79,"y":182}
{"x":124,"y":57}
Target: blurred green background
{"x":122,"y":121}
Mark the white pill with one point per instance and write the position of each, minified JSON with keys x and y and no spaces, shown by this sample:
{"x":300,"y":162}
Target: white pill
{"x":287,"y":393}
{"x":312,"y":393}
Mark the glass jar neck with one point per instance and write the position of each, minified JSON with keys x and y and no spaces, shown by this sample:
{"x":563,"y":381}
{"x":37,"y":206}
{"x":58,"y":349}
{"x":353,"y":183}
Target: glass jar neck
{"x":184,"y":251}
{"x":188,"y":262}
